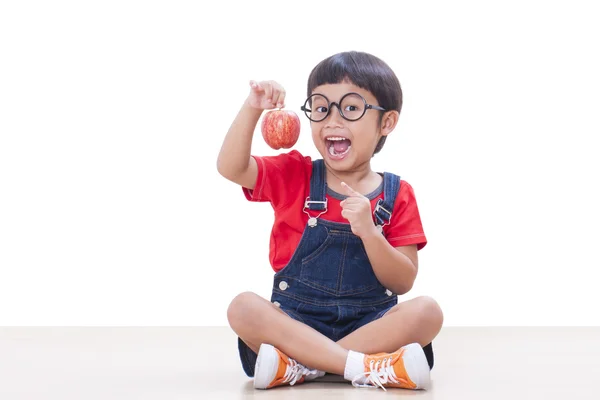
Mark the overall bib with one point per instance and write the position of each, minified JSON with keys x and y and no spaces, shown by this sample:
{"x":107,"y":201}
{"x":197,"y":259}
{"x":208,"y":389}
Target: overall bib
{"x":329,"y":283}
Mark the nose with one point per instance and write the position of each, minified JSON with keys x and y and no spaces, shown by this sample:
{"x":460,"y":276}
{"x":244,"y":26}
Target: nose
{"x":334,"y":118}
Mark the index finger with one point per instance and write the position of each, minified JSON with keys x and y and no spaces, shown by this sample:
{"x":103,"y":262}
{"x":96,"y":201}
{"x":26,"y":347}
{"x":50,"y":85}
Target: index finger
{"x":256,"y":86}
{"x":351,"y":191}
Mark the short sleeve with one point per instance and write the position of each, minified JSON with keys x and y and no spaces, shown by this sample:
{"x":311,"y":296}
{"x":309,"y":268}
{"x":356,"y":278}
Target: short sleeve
{"x":405,"y":226}
{"x":277,"y":178}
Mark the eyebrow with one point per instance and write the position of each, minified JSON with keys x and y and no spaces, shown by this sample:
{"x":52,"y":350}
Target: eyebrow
{"x":328,"y":98}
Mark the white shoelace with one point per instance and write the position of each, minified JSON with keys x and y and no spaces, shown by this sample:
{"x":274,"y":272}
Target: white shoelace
{"x":378,"y":376}
{"x":295,"y":371}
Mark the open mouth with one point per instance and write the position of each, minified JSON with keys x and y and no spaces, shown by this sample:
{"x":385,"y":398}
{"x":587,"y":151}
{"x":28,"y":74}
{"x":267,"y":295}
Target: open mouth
{"x":337,"y":146}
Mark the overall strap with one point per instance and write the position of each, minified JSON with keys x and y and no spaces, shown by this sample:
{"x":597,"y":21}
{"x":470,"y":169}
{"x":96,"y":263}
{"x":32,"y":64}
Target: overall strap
{"x":316,"y":200}
{"x":384,"y":207}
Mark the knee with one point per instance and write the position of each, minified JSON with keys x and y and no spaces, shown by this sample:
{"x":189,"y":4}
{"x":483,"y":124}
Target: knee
{"x":240,"y":311}
{"x":430,"y":311}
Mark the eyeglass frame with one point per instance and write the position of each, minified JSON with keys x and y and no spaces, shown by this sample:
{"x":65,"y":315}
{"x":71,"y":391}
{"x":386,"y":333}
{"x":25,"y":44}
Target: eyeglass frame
{"x":330,"y":104}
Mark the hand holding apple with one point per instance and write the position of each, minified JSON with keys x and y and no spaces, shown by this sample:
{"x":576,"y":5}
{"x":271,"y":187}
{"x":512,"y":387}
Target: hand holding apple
{"x":280,"y":128}
{"x":266,"y":95}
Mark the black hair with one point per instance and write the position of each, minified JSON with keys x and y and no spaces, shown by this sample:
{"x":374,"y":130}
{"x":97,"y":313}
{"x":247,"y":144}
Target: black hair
{"x":365,"y":71}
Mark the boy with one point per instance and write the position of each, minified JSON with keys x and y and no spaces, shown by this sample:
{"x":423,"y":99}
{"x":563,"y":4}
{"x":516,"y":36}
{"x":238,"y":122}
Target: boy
{"x":344,"y":242}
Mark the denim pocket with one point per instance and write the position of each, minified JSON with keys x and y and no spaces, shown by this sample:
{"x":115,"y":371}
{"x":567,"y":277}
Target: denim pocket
{"x":319,"y":250}
{"x":339,"y":266}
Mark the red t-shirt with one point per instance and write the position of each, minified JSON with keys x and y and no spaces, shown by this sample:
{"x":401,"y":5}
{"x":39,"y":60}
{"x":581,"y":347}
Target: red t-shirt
{"x":284,"y":181}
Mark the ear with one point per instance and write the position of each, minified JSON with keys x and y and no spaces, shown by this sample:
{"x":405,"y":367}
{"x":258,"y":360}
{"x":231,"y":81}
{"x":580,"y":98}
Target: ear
{"x":389,"y":121}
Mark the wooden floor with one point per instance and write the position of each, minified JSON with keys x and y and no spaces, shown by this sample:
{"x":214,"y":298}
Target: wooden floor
{"x":202,"y":363}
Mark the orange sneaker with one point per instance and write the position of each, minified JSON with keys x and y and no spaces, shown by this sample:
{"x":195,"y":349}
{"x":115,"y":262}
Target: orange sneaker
{"x":274,"y":368}
{"x":406,"y":368}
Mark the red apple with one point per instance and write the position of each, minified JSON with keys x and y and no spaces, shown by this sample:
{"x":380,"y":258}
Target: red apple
{"x":280,"y":128}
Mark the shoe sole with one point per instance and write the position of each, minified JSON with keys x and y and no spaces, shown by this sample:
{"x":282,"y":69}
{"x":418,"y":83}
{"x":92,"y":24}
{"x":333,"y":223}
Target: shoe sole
{"x":267,"y":364}
{"x":417,"y":366}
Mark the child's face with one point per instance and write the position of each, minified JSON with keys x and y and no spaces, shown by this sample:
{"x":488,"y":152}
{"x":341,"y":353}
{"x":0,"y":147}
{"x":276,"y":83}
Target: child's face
{"x":360,"y":136}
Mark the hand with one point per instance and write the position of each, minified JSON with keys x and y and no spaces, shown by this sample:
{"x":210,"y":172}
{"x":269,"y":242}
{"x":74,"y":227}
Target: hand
{"x":266,"y":95}
{"x":357,"y":210}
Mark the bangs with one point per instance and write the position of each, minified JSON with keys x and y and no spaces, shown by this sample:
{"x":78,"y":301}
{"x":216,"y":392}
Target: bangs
{"x":363,"y":70}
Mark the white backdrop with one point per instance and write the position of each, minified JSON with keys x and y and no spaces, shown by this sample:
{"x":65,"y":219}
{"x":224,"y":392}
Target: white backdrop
{"x":112,"y":115}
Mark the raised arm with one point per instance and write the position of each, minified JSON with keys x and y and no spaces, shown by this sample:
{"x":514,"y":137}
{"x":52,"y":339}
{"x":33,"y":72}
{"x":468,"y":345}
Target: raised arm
{"x":234,"y":161}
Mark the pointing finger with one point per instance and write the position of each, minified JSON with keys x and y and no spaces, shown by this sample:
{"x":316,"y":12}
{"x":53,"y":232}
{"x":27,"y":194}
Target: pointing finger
{"x":350,"y":191}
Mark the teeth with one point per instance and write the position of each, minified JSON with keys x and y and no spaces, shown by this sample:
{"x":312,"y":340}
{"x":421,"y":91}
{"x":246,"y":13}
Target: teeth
{"x":331,"y":151}
{"x":336,"y":138}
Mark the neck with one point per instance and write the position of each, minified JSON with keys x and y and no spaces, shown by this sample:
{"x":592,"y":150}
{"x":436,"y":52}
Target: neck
{"x":358,"y":178}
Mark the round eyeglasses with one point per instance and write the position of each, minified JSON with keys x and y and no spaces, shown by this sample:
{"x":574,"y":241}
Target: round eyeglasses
{"x":352,"y":107}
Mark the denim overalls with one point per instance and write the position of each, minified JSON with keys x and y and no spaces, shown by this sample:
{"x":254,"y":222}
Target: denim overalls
{"x":329,"y":283}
